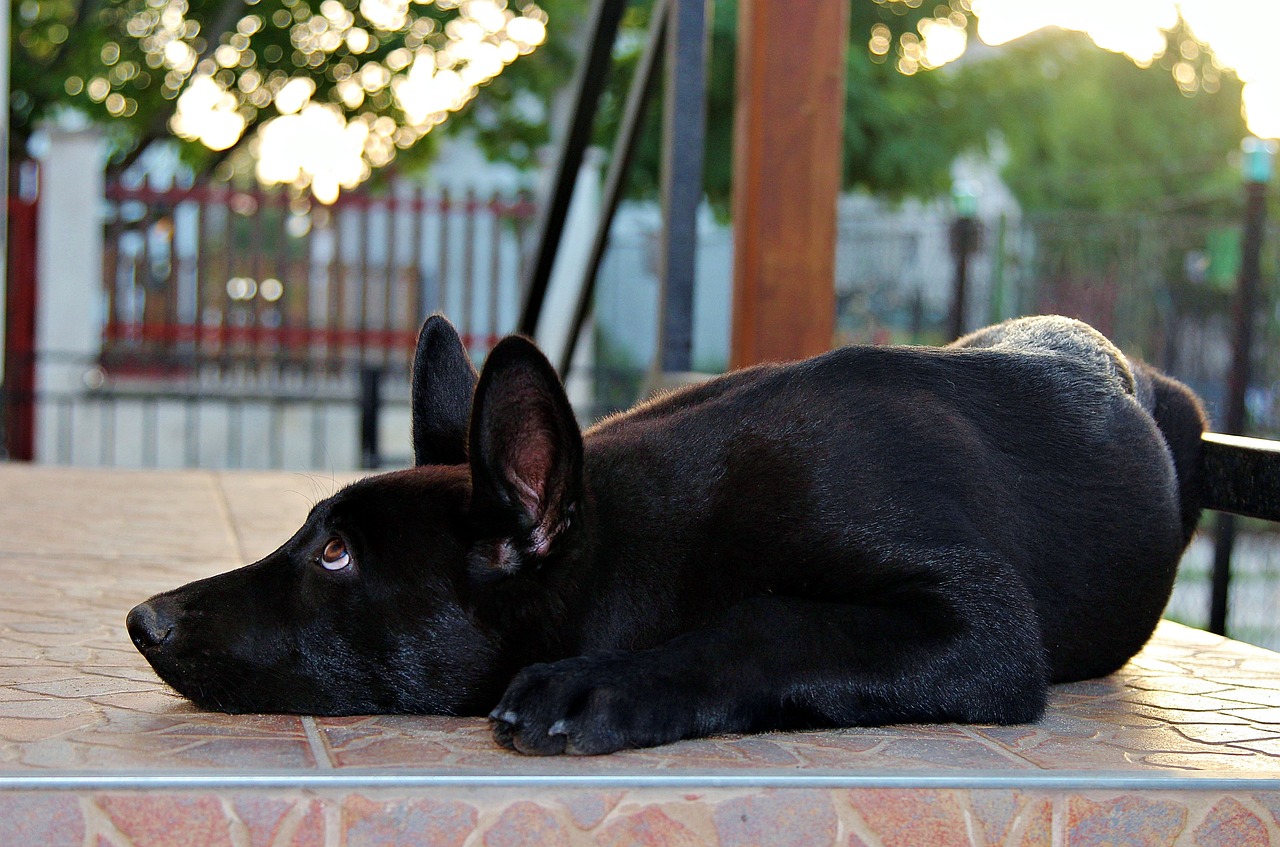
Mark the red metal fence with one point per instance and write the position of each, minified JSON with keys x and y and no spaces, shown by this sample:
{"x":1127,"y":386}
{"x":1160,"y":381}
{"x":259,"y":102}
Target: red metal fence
{"x":215,"y":277}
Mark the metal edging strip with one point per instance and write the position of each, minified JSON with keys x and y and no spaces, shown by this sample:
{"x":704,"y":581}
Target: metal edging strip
{"x":1062,"y":781}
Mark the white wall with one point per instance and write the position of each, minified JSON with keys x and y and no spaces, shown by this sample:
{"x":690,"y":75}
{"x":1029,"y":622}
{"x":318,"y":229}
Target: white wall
{"x":69,"y":302}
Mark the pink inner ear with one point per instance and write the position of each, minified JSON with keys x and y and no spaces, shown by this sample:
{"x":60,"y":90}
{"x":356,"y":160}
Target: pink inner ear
{"x":524,"y":426}
{"x":530,"y":467}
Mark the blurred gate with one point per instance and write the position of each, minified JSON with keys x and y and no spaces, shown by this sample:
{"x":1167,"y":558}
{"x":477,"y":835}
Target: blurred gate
{"x":222,"y":279}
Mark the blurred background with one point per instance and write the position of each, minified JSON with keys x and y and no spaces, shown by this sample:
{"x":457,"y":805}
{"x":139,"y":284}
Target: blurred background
{"x":227,"y":218}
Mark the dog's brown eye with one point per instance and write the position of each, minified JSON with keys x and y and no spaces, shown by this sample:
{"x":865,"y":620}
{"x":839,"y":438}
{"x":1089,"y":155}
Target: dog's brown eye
{"x":335,"y":556}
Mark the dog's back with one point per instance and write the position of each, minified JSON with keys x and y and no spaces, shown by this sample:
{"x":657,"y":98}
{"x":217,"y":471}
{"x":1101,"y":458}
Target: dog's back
{"x":1035,"y":442}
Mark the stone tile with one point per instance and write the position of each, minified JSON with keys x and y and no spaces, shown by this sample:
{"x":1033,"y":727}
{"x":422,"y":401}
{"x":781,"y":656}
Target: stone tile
{"x":1225,"y":733}
{"x":910,"y":818}
{"x":1230,"y":824}
{"x":411,"y":823}
{"x":1129,"y":819}
{"x":525,"y":824}
{"x":1269,"y":801}
{"x":777,"y":819}
{"x":588,"y":808}
{"x":112,"y":514}
{"x":649,"y":827}
{"x":1270,"y":717}
{"x":285,"y":821}
{"x":40,"y":819}
{"x":176,"y":819}
{"x":264,"y":509}
{"x":1034,"y":826}
{"x":168,"y":820}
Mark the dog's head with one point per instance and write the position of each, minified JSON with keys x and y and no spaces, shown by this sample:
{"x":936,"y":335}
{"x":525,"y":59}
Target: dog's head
{"x":378,"y":602}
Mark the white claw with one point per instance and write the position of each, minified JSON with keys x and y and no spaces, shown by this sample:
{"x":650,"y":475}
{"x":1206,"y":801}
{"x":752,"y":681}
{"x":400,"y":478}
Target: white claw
{"x":506,"y":717}
{"x":559,"y":728}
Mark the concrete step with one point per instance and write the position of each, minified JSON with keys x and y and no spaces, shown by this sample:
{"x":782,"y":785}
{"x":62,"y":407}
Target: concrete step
{"x":1182,"y":747}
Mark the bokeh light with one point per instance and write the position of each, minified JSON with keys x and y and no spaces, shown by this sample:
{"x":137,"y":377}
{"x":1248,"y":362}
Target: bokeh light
{"x":395,"y":76}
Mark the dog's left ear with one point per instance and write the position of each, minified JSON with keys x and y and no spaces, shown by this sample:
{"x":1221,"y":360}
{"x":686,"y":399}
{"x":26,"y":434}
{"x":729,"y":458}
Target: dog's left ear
{"x":526,"y":448}
{"x":443,"y":382}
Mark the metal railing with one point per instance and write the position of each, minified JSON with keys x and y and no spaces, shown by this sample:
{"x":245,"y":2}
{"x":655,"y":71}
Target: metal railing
{"x":302,"y":419}
{"x":219,"y":279}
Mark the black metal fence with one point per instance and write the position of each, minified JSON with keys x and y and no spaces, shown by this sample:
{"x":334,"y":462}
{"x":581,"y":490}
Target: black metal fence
{"x":303,"y":419}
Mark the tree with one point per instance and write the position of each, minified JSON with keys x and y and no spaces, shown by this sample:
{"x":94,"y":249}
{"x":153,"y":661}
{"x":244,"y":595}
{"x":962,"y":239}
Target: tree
{"x":903,"y":124}
{"x":351,"y":75}
{"x":1088,"y":129}
{"x":364,"y":82}
{"x":327,"y":94}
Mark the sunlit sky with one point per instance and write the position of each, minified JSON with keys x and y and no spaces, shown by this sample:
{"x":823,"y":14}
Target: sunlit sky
{"x":1244,"y":36}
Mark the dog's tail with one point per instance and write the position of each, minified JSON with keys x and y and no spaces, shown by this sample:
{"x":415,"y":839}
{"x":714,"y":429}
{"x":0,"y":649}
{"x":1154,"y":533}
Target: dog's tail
{"x":1181,"y":419}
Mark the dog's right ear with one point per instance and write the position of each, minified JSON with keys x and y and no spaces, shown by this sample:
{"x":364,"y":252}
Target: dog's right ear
{"x":525,"y":452}
{"x":443,"y":382}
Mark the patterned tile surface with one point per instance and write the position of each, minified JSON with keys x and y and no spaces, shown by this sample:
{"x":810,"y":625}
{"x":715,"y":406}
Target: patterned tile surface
{"x":81,"y":547}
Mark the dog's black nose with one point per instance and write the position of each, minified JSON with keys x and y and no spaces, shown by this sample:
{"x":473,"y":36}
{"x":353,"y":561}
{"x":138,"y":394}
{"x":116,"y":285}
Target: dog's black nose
{"x":149,"y":624}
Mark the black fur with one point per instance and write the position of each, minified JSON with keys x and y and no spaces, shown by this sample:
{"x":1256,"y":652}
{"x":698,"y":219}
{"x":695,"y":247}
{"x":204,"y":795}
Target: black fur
{"x":876,"y":535}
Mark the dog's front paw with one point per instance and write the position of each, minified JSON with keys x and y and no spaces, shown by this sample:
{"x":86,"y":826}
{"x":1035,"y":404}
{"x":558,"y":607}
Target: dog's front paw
{"x":587,"y":706}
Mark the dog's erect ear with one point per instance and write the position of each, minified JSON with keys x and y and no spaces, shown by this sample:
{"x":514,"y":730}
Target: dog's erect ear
{"x":443,"y":382}
{"x":526,"y":448}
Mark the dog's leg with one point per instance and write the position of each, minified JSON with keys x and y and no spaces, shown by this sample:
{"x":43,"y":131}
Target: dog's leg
{"x":954,"y":649}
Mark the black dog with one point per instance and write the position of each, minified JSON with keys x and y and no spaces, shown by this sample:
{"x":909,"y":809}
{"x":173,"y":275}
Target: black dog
{"x":876,"y":535}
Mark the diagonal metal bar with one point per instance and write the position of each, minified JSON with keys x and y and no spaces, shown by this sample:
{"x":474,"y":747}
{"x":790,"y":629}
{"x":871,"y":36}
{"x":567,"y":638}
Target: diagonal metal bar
{"x":624,"y":147}
{"x":592,"y":73}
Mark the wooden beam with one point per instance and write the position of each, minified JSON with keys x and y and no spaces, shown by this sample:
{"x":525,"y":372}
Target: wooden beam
{"x":786,"y":174}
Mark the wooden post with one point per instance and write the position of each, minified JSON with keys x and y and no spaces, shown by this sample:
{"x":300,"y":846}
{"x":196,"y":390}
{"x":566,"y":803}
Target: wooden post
{"x":786,"y":176}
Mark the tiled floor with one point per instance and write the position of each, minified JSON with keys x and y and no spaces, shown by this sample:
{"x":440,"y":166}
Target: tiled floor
{"x":1181,"y":748}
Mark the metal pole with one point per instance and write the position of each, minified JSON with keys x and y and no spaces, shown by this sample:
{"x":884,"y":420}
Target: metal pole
{"x":962,"y":236}
{"x":684,"y":124}
{"x":370,"y":405}
{"x":1258,"y":156}
{"x":589,"y":84}
{"x":964,"y":241}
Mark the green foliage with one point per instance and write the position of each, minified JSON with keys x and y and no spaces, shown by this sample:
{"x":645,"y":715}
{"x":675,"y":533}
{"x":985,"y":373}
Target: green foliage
{"x":1087,"y":129}
{"x":126,"y":63}
{"x":1083,"y":128}
{"x":511,"y":118}
{"x":901,"y":131}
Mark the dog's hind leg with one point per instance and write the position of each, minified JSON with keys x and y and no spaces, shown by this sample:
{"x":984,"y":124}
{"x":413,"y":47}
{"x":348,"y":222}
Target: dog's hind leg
{"x":953,"y":649}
